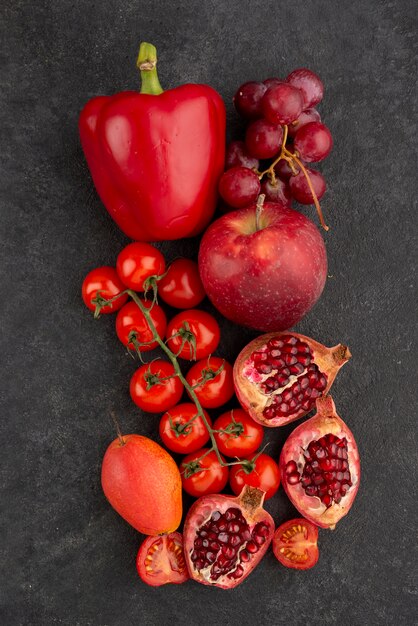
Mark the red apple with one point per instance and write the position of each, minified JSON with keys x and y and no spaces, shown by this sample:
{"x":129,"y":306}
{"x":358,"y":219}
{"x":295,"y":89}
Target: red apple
{"x":263,"y":271}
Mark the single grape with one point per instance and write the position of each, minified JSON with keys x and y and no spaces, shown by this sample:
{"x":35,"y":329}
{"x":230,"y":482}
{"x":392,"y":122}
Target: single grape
{"x":300,"y":189}
{"x":279,"y":192}
{"x":283,"y":170}
{"x":310,"y":85}
{"x":263,"y":139}
{"x":313,"y":142}
{"x":310,"y":115}
{"x":282,"y":104}
{"x":269,"y":82}
{"x":236,"y":154}
{"x":239,"y":187}
{"x":247,"y":99}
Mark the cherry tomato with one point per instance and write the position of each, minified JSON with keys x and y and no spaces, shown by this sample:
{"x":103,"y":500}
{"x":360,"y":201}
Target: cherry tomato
{"x":243,"y":436}
{"x":214,"y":381}
{"x":194,"y":334}
{"x":181,"y":430}
{"x":105,"y":280}
{"x":203,"y":476}
{"x":295,"y":544}
{"x":262,"y":472}
{"x":160,"y":560}
{"x":181,"y":287}
{"x":130,"y":318}
{"x":137,"y":262}
{"x":151,"y":392}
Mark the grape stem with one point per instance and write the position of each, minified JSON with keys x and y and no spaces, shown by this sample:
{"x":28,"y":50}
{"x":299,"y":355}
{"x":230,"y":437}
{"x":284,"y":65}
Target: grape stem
{"x":292,"y":158}
{"x":101,"y":302}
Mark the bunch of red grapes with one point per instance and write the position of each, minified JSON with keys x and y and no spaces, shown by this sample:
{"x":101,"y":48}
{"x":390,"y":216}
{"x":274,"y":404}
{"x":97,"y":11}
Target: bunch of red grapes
{"x":283,"y":125}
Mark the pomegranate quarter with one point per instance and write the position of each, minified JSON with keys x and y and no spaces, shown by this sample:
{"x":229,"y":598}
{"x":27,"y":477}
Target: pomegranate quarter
{"x":226,"y":537}
{"x":320,"y":466}
{"x":264,"y":266}
{"x":279,"y":376}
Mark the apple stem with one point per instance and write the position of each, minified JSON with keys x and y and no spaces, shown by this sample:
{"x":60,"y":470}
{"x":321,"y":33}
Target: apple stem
{"x":259,"y":210}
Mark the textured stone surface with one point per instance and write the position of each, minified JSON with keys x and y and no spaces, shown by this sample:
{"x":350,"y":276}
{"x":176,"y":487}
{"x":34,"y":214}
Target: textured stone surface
{"x":68,"y":558}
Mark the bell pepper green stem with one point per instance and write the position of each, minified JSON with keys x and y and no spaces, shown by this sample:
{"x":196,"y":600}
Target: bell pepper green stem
{"x":147,"y":65}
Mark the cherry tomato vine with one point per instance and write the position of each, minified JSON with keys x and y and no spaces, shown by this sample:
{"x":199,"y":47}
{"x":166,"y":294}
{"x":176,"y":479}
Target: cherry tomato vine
{"x":207,"y":373}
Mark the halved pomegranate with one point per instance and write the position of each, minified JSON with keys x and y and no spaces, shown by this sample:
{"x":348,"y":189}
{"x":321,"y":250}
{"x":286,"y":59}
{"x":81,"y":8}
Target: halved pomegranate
{"x":160,"y":560}
{"x":279,"y":376}
{"x":295,"y":544}
{"x":320,"y":466}
{"x":226,"y":537}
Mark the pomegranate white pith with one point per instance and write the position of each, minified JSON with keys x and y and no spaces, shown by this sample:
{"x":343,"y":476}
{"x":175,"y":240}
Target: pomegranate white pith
{"x":226,"y":537}
{"x":279,"y":376}
{"x":338,"y":485}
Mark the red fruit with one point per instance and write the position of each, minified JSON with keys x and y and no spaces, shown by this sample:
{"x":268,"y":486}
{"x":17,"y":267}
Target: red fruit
{"x":239,"y":187}
{"x":310,"y":115}
{"x":295,"y":544}
{"x":202,"y":474}
{"x":212,"y":381}
{"x":155,"y":387}
{"x":310,"y":85}
{"x":143,"y":484}
{"x":193,"y":334}
{"x":237,"y":155}
{"x":225,"y":537}
{"x":263,"y":139}
{"x":279,"y":376}
{"x":282,"y":103}
{"x":138,"y":262}
{"x":320,"y":466}
{"x":265,"y":274}
{"x":313,"y":142}
{"x":247,"y":99}
{"x":105,"y":281}
{"x":160,"y":560}
{"x":181,"y":286}
{"x":277,"y":191}
{"x":300,"y":189}
{"x":261,"y":472}
{"x":130,"y":318}
{"x":240,"y":435}
{"x":269,"y":82}
{"x":182,"y":430}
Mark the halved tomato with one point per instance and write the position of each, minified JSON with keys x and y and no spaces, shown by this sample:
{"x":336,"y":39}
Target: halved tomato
{"x":160,"y":560}
{"x":295,"y":544}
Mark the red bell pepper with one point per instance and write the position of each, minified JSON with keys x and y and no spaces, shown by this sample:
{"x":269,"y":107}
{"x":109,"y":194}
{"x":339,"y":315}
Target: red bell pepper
{"x":156,"y":157}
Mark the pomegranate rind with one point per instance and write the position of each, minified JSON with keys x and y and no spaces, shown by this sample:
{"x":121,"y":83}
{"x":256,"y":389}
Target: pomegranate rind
{"x":328,"y":360}
{"x":250,"y":501}
{"x":325,"y":421}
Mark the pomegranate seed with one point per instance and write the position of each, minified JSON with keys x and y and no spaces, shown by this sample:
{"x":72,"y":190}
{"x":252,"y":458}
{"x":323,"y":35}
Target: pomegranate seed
{"x":306,"y":481}
{"x":264,"y":368}
{"x":304,"y":360}
{"x":214,"y":545}
{"x":237,"y":573}
{"x":311,"y":490}
{"x":199,"y":564}
{"x":198,"y":543}
{"x":322,"y":382}
{"x":261,"y":529}
{"x":246,"y":535}
{"x":275,"y":353}
{"x":304,"y":382}
{"x":277,"y":363}
{"x":221,"y":526}
{"x":233,"y":527}
{"x":315,"y":394}
{"x":282,"y":380}
{"x":317,"y":479}
{"x":260,"y":357}
{"x":259,"y":539}
{"x":293,"y":478}
{"x":284,"y":408}
{"x":289,"y":339}
{"x":235,"y":541}
{"x":275,"y":343}
{"x":244,"y":556}
{"x":215,"y":516}
{"x":287,"y":395}
{"x":205,"y":543}
{"x":289,"y":349}
{"x":252,"y":547}
{"x":290,"y":360}
{"x":210,"y":557}
{"x":223,"y":537}
{"x":327,"y":500}
{"x":306,"y":406}
{"x":228,"y":552}
{"x":291,"y":467}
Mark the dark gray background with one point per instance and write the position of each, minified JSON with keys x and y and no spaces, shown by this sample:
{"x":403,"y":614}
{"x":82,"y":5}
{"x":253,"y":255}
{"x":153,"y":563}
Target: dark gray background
{"x":68,"y":558}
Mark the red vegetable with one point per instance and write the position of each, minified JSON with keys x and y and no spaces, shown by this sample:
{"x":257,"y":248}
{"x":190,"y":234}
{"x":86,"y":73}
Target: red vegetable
{"x":156,"y":157}
{"x":160,"y":560}
{"x":295,"y":544}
